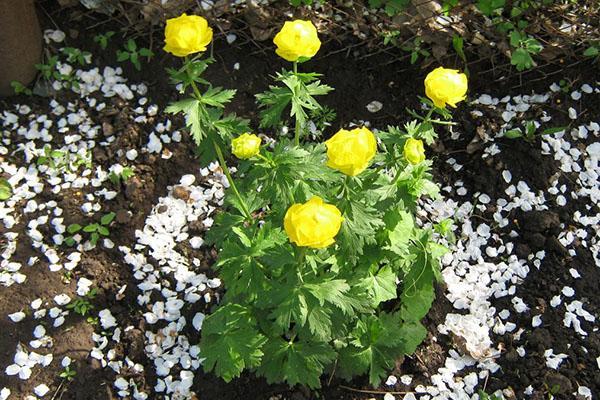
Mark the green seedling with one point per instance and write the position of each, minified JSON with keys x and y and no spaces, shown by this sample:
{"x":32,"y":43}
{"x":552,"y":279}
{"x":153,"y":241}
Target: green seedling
{"x":102,"y":39}
{"x":6,"y":190}
{"x":94,"y":230}
{"x":68,"y":374}
{"x":19,"y":88}
{"x":74,"y":55}
{"x":416,"y":50}
{"x":64,"y":160}
{"x":133,"y":54}
{"x":391,"y":7}
{"x":82,"y":305}
{"x":116,"y":179}
{"x":530,"y":132}
{"x":524,"y":46}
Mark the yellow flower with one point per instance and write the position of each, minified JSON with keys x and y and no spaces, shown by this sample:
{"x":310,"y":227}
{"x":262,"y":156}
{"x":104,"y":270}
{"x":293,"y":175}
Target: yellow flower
{"x":297,"y":39}
{"x":187,"y":34}
{"x":312,"y":224}
{"x":246,"y":146}
{"x":351,"y":151}
{"x":414,"y":152}
{"x":445,"y":86}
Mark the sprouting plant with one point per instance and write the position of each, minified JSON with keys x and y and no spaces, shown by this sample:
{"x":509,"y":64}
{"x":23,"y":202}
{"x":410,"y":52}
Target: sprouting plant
{"x":123,"y":176}
{"x":448,"y":5}
{"x":82,"y":305}
{"x":95,"y":230}
{"x":19,"y":88}
{"x":416,"y":49}
{"x":445,"y":228}
{"x":484,"y":396}
{"x":75,"y":55}
{"x":133,"y":54}
{"x":524,"y":46}
{"x":391,"y":7}
{"x":64,"y":160}
{"x":48,"y":69}
{"x":102,"y":39}
{"x":530,"y":130}
{"x":68,"y":373}
{"x":6,"y":190}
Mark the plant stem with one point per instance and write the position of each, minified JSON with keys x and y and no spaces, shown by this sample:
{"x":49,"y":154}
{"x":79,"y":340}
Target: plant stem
{"x":271,"y":163}
{"x":231,"y":182}
{"x":298,"y":127}
{"x":197,"y":93}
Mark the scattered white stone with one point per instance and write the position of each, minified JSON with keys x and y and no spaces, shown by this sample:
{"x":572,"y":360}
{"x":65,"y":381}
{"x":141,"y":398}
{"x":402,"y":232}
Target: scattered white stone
{"x":41,"y":390}
{"x":374,"y":106}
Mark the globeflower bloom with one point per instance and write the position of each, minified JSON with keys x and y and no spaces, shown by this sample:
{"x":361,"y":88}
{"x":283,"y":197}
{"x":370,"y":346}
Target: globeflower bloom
{"x":414,"y":151}
{"x":446,"y":86}
{"x":312,"y":224}
{"x":351,"y":151}
{"x":297,"y":39}
{"x":187,"y":34}
{"x":245,"y":146}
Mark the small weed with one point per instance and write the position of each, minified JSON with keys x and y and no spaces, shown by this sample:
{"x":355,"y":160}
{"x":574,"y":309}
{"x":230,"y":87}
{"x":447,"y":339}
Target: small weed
{"x":64,"y":160}
{"x":133,"y":54}
{"x":391,"y":7}
{"x":6,"y":190}
{"x":415,"y":48}
{"x":530,"y":131}
{"x":68,"y":374}
{"x":102,"y":39}
{"x":82,"y":305}
{"x":74,"y":55}
{"x":19,"y":88}
{"x":524,"y":46}
{"x":95,"y":230}
{"x":125,"y":174}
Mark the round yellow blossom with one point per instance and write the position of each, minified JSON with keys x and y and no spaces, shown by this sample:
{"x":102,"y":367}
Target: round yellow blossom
{"x":351,"y":151}
{"x":297,"y":39}
{"x":414,"y":152}
{"x":187,"y":34}
{"x":246,"y":146}
{"x":446,"y":86}
{"x":312,"y":224}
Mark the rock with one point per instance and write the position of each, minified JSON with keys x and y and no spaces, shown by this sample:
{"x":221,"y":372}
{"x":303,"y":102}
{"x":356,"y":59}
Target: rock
{"x":107,"y":129}
{"x":133,"y":188}
{"x":180,"y":192}
{"x":123,"y":216}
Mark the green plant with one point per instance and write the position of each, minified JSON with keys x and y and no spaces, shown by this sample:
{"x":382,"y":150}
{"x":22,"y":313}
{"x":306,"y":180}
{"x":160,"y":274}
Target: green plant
{"x":298,"y":3}
{"x":529,"y":132}
{"x":76,"y":55}
{"x":48,"y":69}
{"x":391,"y":7}
{"x":123,"y":176}
{"x":416,"y":49}
{"x":6,"y":190}
{"x":63,"y":159}
{"x":68,"y":374}
{"x":102,"y":39}
{"x":484,"y":396}
{"x":19,"y":88}
{"x":524,"y":46}
{"x":132,"y":53}
{"x":95,"y":230}
{"x":323,"y":117}
{"x":82,"y":305}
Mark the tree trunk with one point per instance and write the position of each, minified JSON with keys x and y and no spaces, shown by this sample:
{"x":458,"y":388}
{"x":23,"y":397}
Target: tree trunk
{"x":20,"y":43}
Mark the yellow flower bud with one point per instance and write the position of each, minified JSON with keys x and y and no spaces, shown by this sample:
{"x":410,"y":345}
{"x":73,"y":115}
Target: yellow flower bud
{"x":414,"y":152}
{"x":246,"y":146}
{"x":351,"y":151}
{"x":297,"y":39}
{"x":187,"y":34}
{"x":312,"y":224}
{"x":445,"y":86}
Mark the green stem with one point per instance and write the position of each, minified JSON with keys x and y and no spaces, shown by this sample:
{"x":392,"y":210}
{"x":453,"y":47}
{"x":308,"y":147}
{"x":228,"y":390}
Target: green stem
{"x":298,"y":127}
{"x":197,"y":93}
{"x":271,"y":163}
{"x":231,"y":182}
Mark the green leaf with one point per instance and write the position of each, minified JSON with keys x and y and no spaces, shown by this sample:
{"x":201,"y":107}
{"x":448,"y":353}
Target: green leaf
{"x":94,"y":238}
{"x":103,"y":231}
{"x":122,"y":56}
{"x":273,"y":102}
{"x":131,"y":45}
{"x":290,"y":306}
{"x":591,"y":51}
{"x":399,"y":228}
{"x":217,"y":97}
{"x":335,"y":292}
{"x":300,"y":362}
{"x":230,"y":341}
{"x":74,"y":228}
{"x":521,"y":59}
{"x":69,"y":241}
{"x":107,"y":218}
{"x":513,"y":133}
{"x":488,"y":7}
{"x":144,"y":52}
{"x":6,"y":190}
{"x":551,"y":131}
{"x":380,"y":287}
{"x":191,"y":108}
{"x":90,"y":228}
{"x":417,"y":288}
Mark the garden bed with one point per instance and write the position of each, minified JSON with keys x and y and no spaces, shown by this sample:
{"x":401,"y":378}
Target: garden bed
{"x":517,"y":312}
